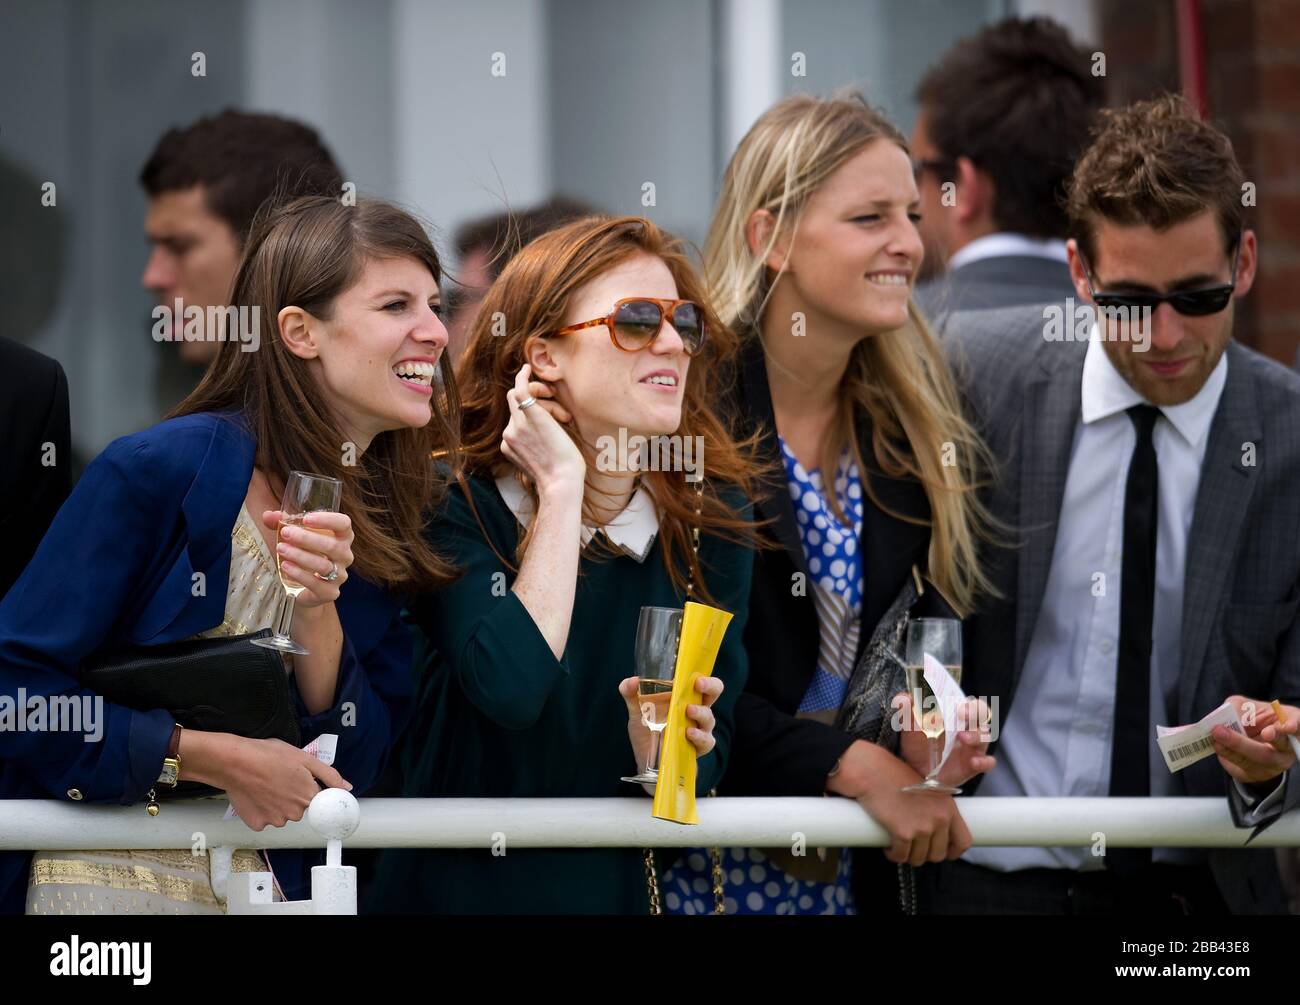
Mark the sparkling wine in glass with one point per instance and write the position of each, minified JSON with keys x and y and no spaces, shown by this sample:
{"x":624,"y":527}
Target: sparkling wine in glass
{"x":303,"y":493}
{"x":939,"y":638}
{"x":658,"y":633}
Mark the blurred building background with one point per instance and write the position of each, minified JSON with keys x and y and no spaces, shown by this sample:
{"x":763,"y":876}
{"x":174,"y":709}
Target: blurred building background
{"x":456,"y":109}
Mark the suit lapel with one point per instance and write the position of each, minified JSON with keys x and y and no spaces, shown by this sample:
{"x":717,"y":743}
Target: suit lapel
{"x":1222,"y":500}
{"x":1051,"y":412}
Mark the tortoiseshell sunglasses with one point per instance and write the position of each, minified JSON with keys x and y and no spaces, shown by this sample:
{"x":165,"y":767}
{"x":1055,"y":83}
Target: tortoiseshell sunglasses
{"x":635,"y":322}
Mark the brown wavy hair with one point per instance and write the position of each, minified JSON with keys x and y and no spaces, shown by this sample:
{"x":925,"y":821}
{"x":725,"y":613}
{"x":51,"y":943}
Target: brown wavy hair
{"x":1155,"y":163}
{"x":534,"y":293}
{"x":305,"y":254}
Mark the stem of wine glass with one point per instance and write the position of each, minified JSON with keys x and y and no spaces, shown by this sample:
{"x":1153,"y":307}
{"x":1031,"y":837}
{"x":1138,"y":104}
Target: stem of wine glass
{"x":284,"y":620}
{"x":934,"y":757}
{"x":651,"y":751}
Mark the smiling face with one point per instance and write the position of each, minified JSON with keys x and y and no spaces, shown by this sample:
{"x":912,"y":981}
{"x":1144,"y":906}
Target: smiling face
{"x":193,"y":256}
{"x":1187,"y":256}
{"x":856,"y":249}
{"x":387,"y":323}
{"x":603,"y":387}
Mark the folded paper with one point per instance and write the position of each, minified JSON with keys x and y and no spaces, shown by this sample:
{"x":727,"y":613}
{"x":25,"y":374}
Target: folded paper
{"x":702,"y":630}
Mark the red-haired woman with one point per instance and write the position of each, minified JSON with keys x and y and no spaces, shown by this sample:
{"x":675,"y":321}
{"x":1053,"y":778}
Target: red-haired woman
{"x":594,"y":335}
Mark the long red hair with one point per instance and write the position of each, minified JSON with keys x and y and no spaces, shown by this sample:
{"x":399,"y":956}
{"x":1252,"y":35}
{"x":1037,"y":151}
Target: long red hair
{"x":533,"y":295}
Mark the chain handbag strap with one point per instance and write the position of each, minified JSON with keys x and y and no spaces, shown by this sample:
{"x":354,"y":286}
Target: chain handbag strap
{"x":719,"y":890}
{"x":715,"y":853}
{"x":652,"y":881}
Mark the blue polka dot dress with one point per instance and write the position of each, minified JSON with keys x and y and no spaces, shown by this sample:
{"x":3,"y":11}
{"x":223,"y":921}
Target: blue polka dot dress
{"x":756,"y":884}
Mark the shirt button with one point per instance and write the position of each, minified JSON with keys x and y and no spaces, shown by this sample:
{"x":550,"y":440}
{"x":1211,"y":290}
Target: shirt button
{"x":1106,"y":647}
{"x":74,"y":794}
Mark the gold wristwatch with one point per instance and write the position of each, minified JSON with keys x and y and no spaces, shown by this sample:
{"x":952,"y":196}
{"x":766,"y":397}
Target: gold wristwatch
{"x":171,"y":770}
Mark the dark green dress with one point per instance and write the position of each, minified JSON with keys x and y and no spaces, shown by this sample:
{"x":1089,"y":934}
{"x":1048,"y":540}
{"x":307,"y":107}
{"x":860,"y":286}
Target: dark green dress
{"x":497,"y":715}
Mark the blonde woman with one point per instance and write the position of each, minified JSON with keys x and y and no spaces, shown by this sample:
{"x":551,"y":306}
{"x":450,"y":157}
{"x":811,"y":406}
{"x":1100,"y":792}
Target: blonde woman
{"x":811,"y":257}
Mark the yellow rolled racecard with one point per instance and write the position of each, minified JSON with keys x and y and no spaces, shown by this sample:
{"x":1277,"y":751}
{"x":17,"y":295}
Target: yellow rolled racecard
{"x":702,"y":630}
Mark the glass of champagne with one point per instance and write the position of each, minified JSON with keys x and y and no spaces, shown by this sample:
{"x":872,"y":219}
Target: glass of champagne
{"x":658,"y":632}
{"x":303,"y":494}
{"x":941,"y":639}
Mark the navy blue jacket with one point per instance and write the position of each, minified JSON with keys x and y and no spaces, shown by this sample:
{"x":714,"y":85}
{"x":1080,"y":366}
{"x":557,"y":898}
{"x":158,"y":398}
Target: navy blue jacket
{"x":117,"y":567}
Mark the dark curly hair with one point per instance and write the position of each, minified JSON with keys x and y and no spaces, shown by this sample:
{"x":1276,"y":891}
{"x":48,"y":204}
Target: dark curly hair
{"x":1017,"y":100}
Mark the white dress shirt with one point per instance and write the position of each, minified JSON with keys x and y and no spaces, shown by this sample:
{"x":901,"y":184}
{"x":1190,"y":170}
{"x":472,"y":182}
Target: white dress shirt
{"x":1057,"y":738}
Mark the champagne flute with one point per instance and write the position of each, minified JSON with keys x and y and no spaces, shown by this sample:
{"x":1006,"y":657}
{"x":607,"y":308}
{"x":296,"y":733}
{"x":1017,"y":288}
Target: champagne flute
{"x":303,"y":493}
{"x":658,"y":632}
{"x":939,"y":638}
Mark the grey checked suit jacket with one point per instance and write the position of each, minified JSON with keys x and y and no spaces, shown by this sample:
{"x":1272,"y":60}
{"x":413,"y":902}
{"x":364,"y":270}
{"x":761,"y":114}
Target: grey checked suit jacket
{"x":1242,"y":579}
{"x":993,"y":283}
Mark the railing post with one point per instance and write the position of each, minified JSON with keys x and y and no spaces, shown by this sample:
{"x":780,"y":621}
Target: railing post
{"x":334,"y":814}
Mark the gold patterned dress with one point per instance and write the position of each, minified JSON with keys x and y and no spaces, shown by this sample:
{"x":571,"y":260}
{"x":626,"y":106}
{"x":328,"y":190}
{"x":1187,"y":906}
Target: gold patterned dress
{"x":167,"y":881}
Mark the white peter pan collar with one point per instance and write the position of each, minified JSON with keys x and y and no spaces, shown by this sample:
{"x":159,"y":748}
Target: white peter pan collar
{"x":632,"y":531}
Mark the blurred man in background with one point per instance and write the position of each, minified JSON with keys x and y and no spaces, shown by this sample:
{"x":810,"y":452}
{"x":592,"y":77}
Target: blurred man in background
{"x":484,"y":247}
{"x":1003,"y":117}
{"x":205,"y":183}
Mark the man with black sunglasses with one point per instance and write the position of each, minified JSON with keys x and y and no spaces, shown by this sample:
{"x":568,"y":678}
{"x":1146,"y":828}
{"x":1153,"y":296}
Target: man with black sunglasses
{"x":1153,"y":488}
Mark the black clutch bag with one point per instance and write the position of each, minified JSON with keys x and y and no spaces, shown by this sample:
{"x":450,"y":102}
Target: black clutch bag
{"x":222,"y":685}
{"x":868,"y":708}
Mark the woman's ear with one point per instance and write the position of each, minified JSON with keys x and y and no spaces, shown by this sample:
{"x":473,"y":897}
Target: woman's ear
{"x":296,"y":332}
{"x":539,"y":353}
{"x":758,"y":232}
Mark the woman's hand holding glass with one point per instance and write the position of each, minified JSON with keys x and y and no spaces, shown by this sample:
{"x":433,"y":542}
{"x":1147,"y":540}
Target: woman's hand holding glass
{"x":969,"y":757}
{"x":700,"y":734}
{"x":310,"y":550}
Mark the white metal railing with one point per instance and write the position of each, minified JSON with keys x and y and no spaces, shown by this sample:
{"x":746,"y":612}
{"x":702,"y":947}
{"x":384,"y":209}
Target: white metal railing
{"x":335,"y":817}
{"x":611,"y":823}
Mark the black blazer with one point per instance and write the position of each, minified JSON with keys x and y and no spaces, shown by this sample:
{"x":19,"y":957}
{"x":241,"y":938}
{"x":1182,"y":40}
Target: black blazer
{"x":33,"y":412}
{"x":774,"y":753}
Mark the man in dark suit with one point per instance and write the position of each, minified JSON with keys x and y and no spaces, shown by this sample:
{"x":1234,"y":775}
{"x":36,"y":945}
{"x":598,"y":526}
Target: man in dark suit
{"x":1151,"y":478}
{"x":1003,"y":115}
{"x":35,"y":460}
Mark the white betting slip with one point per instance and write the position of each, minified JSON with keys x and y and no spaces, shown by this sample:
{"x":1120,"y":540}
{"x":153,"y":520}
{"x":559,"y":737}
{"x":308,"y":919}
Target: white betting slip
{"x":1183,"y":746}
{"x":949,"y":695}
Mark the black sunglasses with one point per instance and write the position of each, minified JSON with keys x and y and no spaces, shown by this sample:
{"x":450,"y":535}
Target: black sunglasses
{"x":1193,"y":303}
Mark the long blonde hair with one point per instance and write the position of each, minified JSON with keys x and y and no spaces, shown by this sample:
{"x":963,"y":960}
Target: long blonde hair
{"x":899,"y":378}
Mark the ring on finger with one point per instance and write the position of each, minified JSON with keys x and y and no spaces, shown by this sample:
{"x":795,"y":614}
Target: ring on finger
{"x":333,"y":574}
{"x":528,"y":402}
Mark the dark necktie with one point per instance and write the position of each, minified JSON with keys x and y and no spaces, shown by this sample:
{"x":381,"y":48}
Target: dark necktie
{"x":1130,"y":741}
